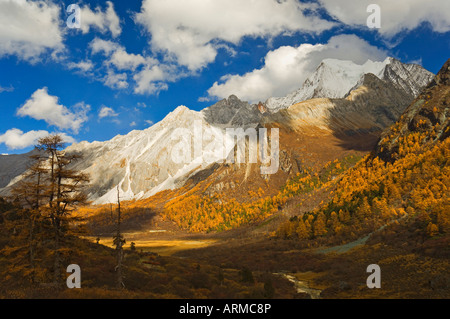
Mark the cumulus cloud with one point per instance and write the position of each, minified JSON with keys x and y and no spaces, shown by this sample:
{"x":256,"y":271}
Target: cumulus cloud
{"x":102,"y":21}
{"x":396,"y":16}
{"x":66,"y":138}
{"x":193,"y":39}
{"x":103,"y":46}
{"x":16,"y":139}
{"x":116,"y":80}
{"x":286,"y":68}
{"x":150,"y":76}
{"x":117,"y":55}
{"x":106,"y":112}
{"x":84,"y":66}
{"x":126,"y":61}
{"x":154,"y":77}
{"x":29,"y":28}
{"x":42,"y":106}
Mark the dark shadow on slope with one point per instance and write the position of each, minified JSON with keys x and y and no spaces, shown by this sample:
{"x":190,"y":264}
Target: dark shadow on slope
{"x":359,"y":119}
{"x":361,"y":140}
{"x":132,"y":219}
{"x":204,"y":174}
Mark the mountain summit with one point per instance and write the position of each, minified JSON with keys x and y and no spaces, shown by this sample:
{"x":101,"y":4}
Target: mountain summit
{"x":335,"y":79}
{"x":358,"y":102}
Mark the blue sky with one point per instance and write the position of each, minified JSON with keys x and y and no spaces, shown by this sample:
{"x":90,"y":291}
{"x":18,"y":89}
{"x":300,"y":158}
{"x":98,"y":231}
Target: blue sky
{"x":132,"y":62}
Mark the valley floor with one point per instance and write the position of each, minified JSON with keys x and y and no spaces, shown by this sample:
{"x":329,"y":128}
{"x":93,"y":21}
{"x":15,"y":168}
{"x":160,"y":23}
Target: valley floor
{"x":317,"y":272}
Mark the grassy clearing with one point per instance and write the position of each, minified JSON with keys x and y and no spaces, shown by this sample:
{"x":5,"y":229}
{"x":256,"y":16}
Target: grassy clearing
{"x":161,"y":247}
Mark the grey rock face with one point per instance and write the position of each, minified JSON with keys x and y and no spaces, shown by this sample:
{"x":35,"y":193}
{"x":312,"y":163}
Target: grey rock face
{"x":232,"y":112}
{"x":410,"y":78}
{"x":12,"y":166}
{"x":335,"y":79}
{"x":428,"y":112}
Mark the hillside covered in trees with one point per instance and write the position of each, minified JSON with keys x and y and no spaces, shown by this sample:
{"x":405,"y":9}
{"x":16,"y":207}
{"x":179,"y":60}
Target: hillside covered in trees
{"x":406,"y":179}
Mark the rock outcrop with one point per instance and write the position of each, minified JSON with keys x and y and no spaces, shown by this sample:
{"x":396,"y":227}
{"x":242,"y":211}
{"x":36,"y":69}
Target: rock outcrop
{"x":430,"y":111}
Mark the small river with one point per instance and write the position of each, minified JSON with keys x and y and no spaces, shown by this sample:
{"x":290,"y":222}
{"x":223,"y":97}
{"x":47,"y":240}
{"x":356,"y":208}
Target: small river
{"x":302,"y":286}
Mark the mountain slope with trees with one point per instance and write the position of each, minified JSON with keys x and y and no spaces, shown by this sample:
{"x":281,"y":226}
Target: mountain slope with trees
{"x":404,"y":180}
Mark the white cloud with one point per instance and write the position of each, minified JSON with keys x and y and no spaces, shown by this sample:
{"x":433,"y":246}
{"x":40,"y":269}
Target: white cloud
{"x":16,"y":139}
{"x":396,"y":16}
{"x":117,"y":55}
{"x":142,"y":105}
{"x":103,"y":46}
{"x":6,"y":89}
{"x":194,"y":38}
{"x":116,"y":80}
{"x":152,"y":79}
{"x":126,"y":61}
{"x":109,"y":49}
{"x":149,"y":74}
{"x":29,"y":28}
{"x":84,"y":66}
{"x":286,"y":68}
{"x":42,"y":106}
{"x":66,"y":138}
{"x":133,"y":124}
{"x":149,"y":122}
{"x":204,"y":99}
{"x":106,"y":112}
{"x":102,"y":21}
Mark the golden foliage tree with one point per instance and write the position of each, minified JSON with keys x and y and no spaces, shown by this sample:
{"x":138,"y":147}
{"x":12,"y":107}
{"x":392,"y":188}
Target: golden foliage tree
{"x":49,"y":193}
{"x":302,"y":230}
{"x":320,"y":228}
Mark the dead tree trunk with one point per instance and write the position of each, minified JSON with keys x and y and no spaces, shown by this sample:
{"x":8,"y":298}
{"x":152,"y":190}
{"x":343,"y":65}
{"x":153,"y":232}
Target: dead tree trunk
{"x":119,"y":241}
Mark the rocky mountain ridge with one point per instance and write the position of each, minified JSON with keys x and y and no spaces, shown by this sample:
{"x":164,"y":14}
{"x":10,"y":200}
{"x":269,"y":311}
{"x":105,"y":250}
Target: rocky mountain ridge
{"x":336,"y":79}
{"x":429,"y":113}
{"x":141,"y":162}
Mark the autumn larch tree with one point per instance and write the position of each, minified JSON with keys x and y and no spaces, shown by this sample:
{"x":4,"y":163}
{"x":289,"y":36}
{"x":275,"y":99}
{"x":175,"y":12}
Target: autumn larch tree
{"x":119,"y":241}
{"x":63,"y":192}
{"x":320,"y":225}
{"x":46,"y":196}
{"x":302,"y":230}
{"x":29,"y":195}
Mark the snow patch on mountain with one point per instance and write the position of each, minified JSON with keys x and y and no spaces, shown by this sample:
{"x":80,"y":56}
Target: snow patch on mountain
{"x":140,"y":163}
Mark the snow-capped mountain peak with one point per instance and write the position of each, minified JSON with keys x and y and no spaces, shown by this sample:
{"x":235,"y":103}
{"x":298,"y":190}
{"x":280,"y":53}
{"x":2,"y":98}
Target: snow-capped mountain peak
{"x":336,"y":78}
{"x":141,"y":162}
